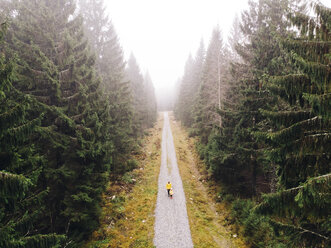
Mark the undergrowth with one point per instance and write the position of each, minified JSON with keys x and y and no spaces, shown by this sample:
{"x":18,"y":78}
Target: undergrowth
{"x":129,"y":203}
{"x":208,"y":219}
{"x":257,"y":229}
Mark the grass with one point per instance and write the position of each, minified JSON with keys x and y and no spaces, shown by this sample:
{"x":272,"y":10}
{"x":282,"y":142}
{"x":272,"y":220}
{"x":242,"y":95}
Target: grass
{"x":207,"y":218}
{"x":128,"y":212}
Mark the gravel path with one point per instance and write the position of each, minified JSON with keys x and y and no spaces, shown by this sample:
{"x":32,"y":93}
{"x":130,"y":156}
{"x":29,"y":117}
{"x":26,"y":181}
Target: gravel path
{"x":171,"y":228}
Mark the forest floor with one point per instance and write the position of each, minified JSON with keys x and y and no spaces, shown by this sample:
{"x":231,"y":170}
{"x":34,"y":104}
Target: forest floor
{"x":128,"y":211}
{"x":129,"y":205}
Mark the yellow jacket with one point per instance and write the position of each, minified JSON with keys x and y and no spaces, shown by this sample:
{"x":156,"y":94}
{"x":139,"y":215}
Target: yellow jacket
{"x":168,"y":186}
{"x":171,"y":192}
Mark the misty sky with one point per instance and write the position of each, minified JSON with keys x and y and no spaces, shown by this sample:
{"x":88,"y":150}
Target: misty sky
{"x":161,"y":34}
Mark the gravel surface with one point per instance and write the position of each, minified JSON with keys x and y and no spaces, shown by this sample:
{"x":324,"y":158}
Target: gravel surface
{"x":171,"y":228}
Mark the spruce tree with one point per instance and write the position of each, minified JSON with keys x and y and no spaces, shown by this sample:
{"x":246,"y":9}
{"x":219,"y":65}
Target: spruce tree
{"x":198,"y":68}
{"x":21,"y":165}
{"x":97,"y":26}
{"x":234,"y":152}
{"x":150,"y":100}
{"x":183,"y":108}
{"x":210,"y":92}
{"x":117,"y":117}
{"x":301,"y":135}
{"x":138,"y":91}
{"x":103,"y":38}
{"x":188,"y":88}
{"x":55,"y":69}
{"x":235,"y":38}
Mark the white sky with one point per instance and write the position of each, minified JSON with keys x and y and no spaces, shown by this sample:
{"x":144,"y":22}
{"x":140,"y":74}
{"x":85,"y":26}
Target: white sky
{"x":161,"y":34}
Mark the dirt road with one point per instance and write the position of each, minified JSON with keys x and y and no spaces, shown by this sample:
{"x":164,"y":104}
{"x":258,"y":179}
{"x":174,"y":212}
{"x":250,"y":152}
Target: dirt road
{"x":171,"y":222}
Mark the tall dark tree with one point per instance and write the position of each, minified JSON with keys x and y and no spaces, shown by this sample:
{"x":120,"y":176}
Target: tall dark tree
{"x":111,"y":67}
{"x":273,"y":129}
{"x":21,"y":165}
{"x":301,"y":135}
{"x":260,"y":54}
{"x":55,"y":68}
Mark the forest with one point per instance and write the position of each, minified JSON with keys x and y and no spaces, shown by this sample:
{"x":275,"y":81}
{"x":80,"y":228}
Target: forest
{"x":260,"y":108}
{"x":73,"y":112}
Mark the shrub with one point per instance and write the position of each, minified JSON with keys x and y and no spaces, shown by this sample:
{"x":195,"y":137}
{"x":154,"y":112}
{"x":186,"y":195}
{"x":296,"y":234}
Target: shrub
{"x":131,"y":164}
{"x":256,"y":229}
{"x":128,"y":178}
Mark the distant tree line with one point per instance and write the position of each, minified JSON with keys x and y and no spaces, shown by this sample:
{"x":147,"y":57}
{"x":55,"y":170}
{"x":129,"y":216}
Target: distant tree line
{"x":260,"y":107}
{"x":71,"y":113}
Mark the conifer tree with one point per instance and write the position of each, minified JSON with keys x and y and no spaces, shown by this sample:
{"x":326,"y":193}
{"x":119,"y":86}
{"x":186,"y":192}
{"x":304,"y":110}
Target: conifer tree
{"x":301,"y":135}
{"x":21,"y":165}
{"x":137,"y":88}
{"x":199,"y":60}
{"x":56,"y":70}
{"x":150,"y":100}
{"x":222,"y":155}
{"x":97,"y":26}
{"x":234,"y":149}
{"x":189,"y":87}
{"x":103,"y":39}
{"x":210,"y":92}
{"x":183,"y":108}
{"x":235,"y":38}
{"x":111,"y":67}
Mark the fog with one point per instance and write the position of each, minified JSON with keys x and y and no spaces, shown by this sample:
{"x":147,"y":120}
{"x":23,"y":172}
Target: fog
{"x":162,"y":34}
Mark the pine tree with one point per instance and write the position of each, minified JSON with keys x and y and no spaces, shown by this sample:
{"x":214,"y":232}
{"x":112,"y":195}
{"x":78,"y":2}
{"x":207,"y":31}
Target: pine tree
{"x":301,"y":137}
